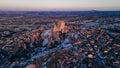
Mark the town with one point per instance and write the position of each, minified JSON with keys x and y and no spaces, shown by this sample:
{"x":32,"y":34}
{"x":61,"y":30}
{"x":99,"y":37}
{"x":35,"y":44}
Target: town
{"x":60,"y":39}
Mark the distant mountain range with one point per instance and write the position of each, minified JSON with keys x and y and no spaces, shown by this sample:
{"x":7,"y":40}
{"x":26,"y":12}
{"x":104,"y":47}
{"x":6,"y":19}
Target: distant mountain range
{"x":92,"y":12}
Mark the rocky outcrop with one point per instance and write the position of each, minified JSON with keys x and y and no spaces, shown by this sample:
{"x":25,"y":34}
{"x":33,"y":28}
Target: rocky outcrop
{"x":59,"y":26}
{"x":54,"y":34}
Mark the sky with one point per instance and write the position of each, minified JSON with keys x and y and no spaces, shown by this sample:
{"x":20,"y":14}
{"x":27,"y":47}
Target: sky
{"x":37,"y":5}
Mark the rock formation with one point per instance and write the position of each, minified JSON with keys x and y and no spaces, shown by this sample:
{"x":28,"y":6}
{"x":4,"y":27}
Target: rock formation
{"x":53,"y":35}
{"x":60,"y":26}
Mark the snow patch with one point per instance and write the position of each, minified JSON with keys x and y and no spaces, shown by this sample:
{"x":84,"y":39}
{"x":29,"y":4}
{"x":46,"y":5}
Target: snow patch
{"x":45,"y":42}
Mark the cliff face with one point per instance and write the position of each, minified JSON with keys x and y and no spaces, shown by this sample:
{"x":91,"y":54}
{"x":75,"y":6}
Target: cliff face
{"x":59,"y":26}
{"x":53,"y":35}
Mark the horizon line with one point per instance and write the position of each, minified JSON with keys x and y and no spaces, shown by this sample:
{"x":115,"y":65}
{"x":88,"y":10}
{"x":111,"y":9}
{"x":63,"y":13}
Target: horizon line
{"x":54,"y":10}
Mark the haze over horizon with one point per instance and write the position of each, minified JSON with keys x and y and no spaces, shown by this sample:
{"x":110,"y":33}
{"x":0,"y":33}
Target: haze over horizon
{"x":37,"y":5}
